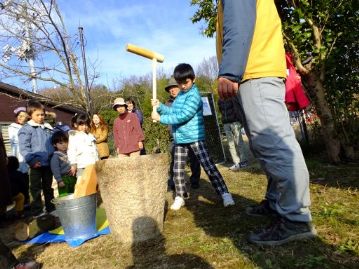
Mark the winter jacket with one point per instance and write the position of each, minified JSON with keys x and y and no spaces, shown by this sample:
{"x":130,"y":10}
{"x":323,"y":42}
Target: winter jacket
{"x":169,"y":103}
{"x":250,"y":35}
{"x":35,"y":143}
{"x":13,"y":130}
{"x":127,"y":133}
{"x":101,"y":135}
{"x":186,"y":117}
{"x":139,"y":115}
{"x":229,"y":109}
{"x":60,"y":165}
{"x":295,"y":97}
{"x":82,"y":149}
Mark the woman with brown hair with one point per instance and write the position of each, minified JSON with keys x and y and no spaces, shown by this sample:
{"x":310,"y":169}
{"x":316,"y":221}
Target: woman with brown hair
{"x":100,"y":130}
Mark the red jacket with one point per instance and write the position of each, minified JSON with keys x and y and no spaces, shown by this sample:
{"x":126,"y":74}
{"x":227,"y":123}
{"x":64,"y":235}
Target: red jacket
{"x":127,"y":133}
{"x":295,"y":97}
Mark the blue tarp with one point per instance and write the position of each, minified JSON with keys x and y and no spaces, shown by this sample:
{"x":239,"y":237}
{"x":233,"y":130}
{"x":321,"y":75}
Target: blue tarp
{"x":57,"y":235}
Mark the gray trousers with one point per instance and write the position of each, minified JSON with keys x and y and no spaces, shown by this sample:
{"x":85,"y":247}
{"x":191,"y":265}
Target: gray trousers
{"x":237,"y":148}
{"x":273,"y":143}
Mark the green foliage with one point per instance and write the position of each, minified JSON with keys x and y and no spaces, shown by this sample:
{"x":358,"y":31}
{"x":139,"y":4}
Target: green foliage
{"x":156,"y":136}
{"x":207,"y":11}
{"x":331,"y":210}
{"x":312,"y":261}
{"x":350,"y":246}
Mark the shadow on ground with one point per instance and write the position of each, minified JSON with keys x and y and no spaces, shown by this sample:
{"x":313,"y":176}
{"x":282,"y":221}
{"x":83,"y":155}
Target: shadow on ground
{"x":152,"y":253}
{"x":234,"y":224}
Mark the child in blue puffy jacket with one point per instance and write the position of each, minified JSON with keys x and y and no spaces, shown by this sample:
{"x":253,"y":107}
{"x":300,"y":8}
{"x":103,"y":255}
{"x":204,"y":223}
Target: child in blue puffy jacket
{"x":186,"y":117}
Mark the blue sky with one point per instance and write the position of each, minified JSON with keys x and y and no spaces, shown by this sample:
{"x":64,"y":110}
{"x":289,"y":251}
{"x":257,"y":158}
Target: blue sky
{"x":163,"y":26}
{"x":160,"y":25}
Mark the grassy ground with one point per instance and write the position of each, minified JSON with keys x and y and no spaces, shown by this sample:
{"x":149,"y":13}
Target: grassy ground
{"x":205,"y":235}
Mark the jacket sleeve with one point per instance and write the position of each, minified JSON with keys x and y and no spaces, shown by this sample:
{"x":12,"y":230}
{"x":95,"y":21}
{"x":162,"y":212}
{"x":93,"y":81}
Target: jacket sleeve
{"x":25,"y":146}
{"x":102,"y":137}
{"x":12,"y":138}
{"x":163,"y":109}
{"x":140,"y":116}
{"x":55,"y":167}
{"x":115,"y":134}
{"x":72,"y":150}
{"x":138,"y":130}
{"x":188,"y":110}
{"x":239,"y":18}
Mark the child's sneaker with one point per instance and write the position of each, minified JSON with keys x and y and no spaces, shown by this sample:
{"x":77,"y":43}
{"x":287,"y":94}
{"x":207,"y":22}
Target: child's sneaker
{"x":178,"y":203}
{"x":227,"y":199}
{"x":235,"y":167}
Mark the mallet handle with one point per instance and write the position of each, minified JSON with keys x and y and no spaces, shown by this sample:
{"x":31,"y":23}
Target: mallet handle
{"x":145,"y":52}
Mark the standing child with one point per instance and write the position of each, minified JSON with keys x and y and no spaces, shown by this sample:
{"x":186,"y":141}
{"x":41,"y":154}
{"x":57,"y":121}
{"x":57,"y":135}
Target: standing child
{"x":60,"y":165}
{"x":21,"y":118}
{"x":186,"y":117}
{"x":82,"y":149}
{"x":36,"y":148}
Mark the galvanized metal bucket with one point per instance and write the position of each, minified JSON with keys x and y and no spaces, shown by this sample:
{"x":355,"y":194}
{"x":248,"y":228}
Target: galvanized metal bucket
{"x":77,"y":216}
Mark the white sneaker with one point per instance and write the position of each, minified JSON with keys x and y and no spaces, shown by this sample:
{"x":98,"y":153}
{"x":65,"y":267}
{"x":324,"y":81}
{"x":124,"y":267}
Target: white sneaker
{"x":178,"y":203}
{"x":227,"y":199}
{"x":235,"y":167}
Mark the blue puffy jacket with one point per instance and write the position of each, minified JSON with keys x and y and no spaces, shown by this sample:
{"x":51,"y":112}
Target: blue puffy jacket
{"x":35,"y":143}
{"x":186,"y":117}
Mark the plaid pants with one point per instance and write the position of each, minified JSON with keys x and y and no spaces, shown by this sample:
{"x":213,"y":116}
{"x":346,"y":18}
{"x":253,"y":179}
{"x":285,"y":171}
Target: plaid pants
{"x":199,"y":149}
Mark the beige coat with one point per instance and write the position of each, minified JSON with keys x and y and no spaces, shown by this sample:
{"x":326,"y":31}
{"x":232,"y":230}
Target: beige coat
{"x":101,"y":142}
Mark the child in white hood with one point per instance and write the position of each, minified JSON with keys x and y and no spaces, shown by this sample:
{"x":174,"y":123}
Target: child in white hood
{"x":82,"y":149}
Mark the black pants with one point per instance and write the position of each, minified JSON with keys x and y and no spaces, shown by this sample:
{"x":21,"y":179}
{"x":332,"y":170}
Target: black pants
{"x":41,"y":180}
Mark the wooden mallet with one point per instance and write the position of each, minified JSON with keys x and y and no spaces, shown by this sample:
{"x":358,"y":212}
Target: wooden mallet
{"x":155,"y":57}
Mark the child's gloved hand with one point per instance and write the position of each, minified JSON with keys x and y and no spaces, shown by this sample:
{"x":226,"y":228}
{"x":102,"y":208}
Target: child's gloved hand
{"x":60,"y":184}
{"x":155,"y":103}
{"x":155,"y":116}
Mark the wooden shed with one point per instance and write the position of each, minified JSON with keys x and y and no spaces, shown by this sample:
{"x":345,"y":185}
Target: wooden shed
{"x":12,"y":97}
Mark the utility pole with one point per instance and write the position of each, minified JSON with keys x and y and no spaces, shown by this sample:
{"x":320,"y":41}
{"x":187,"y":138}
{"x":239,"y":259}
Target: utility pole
{"x":30,"y":58}
{"x":30,"y":53}
{"x":87,"y":89}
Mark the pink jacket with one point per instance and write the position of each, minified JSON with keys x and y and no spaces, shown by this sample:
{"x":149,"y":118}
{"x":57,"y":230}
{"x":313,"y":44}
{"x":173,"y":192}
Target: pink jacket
{"x":127,"y":133}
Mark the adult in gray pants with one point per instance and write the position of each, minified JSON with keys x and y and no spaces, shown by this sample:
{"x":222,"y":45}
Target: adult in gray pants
{"x":252,"y":67}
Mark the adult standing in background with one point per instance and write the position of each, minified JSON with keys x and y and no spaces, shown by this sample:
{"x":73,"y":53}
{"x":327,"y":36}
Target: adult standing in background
{"x":231,"y":119}
{"x":99,"y":129}
{"x":132,"y":108}
{"x":252,"y":67}
{"x":127,"y":132}
{"x":21,"y":118}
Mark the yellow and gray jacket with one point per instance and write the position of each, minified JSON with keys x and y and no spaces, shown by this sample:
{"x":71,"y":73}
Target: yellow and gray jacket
{"x":249,"y":40}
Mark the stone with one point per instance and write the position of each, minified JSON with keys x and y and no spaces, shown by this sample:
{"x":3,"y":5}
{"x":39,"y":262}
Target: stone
{"x":133,"y":191}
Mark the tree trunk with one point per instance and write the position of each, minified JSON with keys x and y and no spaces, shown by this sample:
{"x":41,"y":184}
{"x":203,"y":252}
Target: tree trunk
{"x":314,"y":81}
